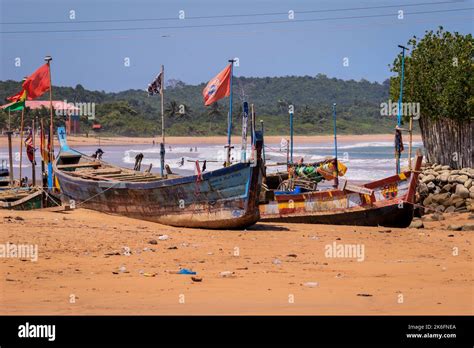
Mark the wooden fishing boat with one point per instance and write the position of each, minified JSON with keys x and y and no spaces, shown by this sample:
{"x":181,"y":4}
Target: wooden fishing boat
{"x":387,"y":202}
{"x":22,"y":198}
{"x":226,"y":198}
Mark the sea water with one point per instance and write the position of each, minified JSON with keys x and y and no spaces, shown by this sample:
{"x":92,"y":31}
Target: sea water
{"x":365,"y":161}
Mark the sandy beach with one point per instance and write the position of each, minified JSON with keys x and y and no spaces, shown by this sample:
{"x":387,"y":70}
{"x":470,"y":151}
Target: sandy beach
{"x":270,"y":139}
{"x":278,"y":268}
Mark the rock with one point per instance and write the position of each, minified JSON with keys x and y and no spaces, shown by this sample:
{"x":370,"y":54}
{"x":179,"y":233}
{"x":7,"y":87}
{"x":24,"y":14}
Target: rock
{"x":226,"y":274}
{"x":443,"y":177}
{"x":365,"y":295}
{"x":446,"y":168}
{"x":19,"y":218}
{"x":468,"y":227}
{"x":471,"y":195}
{"x":427,"y":201}
{"x":440,"y":208}
{"x":461,"y":191}
{"x":454,"y":172}
{"x":438,"y":167}
{"x":450,"y":209}
{"x":446,"y":188}
{"x":462,"y":179}
{"x":439,"y":198}
{"x":428,"y":178}
{"x":468,"y":183}
{"x":164,"y":237}
{"x":153,"y":241}
{"x":452,"y":178}
{"x":423,"y":188}
{"x":311,"y":284}
{"x":454,"y":227}
{"x":431,"y":186}
{"x":276,"y":262}
{"x":196,"y":279}
{"x":416,"y":224}
{"x":437,"y":217}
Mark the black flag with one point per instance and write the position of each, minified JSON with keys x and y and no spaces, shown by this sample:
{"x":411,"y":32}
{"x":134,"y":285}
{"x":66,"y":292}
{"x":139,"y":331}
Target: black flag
{"x":155,"y":86}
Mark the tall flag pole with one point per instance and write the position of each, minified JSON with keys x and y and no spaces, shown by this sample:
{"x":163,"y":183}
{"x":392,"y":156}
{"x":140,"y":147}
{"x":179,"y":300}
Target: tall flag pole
{"x":229,"y":123}
{"x":21,"y":134}
{"x":245,"y":116}
{"x":336,"y":168}
{"x":157,"y":87}
{"x":162,"y":144}
{"x":48,"y":60}
{"x":398,"y":135}
{"x":291,"y":133}
{"x":220,"y":86}
{"x":162,"y":104}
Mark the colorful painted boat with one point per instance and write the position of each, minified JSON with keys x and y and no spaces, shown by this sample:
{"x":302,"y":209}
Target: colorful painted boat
{"x":387,"y":202}
{"x":226,"y":198}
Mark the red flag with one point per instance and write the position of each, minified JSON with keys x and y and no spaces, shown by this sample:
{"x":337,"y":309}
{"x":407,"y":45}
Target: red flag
{"x":38,"y":82}
{"x":218,"y":87}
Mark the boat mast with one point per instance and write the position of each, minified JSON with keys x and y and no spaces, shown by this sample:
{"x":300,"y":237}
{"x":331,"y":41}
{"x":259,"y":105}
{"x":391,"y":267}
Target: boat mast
{"x":336,"y":168}
{"x":229,"y":118}
{"x":48,"y":60}
{"x":162,"y":144}
{"x":291,"y":133}
{"x":399,"y":114}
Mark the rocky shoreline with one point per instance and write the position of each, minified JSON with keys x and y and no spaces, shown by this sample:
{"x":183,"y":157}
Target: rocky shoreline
{"x":445,"y":190}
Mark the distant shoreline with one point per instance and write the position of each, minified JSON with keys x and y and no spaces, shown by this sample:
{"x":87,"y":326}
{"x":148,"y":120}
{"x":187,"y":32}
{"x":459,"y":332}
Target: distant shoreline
{"x":216,"y":140}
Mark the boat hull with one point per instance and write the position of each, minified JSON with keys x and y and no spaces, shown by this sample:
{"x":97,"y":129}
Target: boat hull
{"x":225,"y":198}
{"x":387,"y":202}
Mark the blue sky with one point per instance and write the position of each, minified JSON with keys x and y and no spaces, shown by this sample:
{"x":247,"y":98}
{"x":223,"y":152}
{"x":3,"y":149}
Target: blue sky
{"x":312,"y":43}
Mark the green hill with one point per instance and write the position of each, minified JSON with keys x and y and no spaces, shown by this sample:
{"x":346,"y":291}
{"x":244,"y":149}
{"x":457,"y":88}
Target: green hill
{"x":134,"y":113}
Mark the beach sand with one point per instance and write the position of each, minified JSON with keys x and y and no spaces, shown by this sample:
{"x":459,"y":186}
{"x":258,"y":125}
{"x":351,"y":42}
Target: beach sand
{"x":77,"y":257}
{"x":216,"y":140}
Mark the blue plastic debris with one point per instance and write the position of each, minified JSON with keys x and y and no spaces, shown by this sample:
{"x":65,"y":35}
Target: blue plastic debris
{"x":186,"y":271}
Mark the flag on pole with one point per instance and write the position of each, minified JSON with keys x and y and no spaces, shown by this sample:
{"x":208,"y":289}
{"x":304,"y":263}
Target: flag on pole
{"x":38,"y":82}
{"x":218,"y":87}
{"x":18,"y":101}
{"x":30,"y":150}
{"x":156,"y":86}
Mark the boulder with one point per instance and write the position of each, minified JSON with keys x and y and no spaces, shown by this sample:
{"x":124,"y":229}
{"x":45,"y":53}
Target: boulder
{"x":428,"y":178}
{"x":461,"y":191}
{"x":431,"y":186}
{"x":427,"y":201}
{"x":416,"y":224}
{"x":468,"y":227}
{"x":438,"y":167}
{"x":471,"y":195}
{"x":440,"y":197}
{"x":461,"y":179}
{"x":452,"y":178}
{"x":468,"y":183}
{"x":450,"y":209}
{"x":454,"y":172}
{"x":455,"y":227}
{"x":422,"y":189}
{"x":446,"y":188}
{"x":443,"y":177}
{"x":471,"y":189}
{"x":445,"y":167}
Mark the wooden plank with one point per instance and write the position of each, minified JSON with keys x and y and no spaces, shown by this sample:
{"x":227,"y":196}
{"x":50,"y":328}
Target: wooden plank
{"x":78,"y":165}
{"x":357,"y":189}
